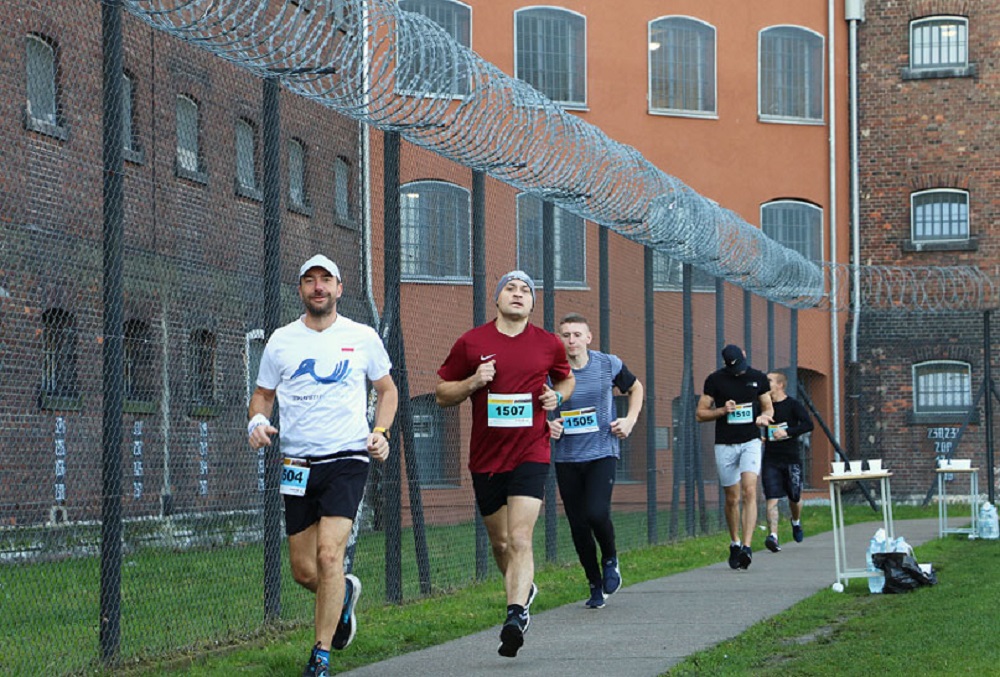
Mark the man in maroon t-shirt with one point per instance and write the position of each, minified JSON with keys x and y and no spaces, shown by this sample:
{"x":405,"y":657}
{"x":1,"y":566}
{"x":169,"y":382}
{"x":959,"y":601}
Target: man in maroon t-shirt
{"x":503,"y":367}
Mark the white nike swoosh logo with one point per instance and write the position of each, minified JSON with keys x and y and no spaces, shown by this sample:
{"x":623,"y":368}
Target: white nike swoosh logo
{"x":483,"y":358}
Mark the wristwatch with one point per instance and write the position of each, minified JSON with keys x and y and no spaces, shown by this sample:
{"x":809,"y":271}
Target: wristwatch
{"x":383,"y":431}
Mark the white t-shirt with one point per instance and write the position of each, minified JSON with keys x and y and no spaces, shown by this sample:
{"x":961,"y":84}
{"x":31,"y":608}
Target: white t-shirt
{"x":320,"y":382}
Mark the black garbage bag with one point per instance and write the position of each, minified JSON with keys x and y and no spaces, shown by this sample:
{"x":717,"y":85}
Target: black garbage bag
{"x":902,"y":572}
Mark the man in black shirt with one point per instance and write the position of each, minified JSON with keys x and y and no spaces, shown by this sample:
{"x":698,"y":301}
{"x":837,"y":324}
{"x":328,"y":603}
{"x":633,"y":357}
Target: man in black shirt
{"x":736,"y":398}
{"x":781,"y":472}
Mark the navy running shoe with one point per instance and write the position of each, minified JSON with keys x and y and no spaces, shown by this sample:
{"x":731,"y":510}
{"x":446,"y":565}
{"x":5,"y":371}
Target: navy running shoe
{"x":797,"y":533}
{"x":746,"y":556}
{"x":612,"y":576}
{"x":597,"y":597}
{"x":347,"y":625}
{"x":512,"y":634}
{"x":734,"y":556}
{"x":771,"y":543}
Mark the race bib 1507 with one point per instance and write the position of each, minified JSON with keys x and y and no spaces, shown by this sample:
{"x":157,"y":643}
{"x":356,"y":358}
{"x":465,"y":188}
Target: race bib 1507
{"x":509,"y":411}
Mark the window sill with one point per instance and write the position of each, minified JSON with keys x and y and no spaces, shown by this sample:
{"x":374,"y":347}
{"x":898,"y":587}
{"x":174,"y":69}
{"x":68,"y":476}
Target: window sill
{"x":304,"y":209}
{"x":134,"y":155}
{"x":349,"y":224}
{"x":780,"y":120}
{"x":203,"y":411}
{"x":908,"y":73}
{"x":680,"y":113}
{"x":249,"y":192}
{"x":940,"y":418}
{"x":64,"y":402}
{"x":191,"y":175}
{"x":970,"y":245}
{"x":139,"y":407}
{"x":53,"y":129}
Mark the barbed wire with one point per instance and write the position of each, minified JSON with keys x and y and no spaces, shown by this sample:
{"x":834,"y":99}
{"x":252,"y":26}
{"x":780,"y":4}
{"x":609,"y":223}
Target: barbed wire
{"x":400,"y":71}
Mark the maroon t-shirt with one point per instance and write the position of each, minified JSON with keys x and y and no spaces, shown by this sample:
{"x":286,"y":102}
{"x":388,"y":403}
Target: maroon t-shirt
{"x":523,"y":363}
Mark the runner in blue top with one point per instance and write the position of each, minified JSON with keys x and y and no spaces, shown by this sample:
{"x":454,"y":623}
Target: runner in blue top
{"x":587,"y":435}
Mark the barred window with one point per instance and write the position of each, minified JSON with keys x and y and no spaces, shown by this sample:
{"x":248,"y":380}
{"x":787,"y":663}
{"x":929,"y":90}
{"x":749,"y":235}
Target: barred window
{"x":791,"y":74}
{"x":550,"y":53}
{"x":681,"y":65}
{"x":43,"y":103}
{"x":570,"y":243}
{"x":942,"y":386}
{"x":246,"y":155}
{"x":435,"y":438}
{"x":939,"y":42}
{"x":59,"y":361}
{"x":436,"y":230}
{"x":138,"y":361}
{"x":939,"y":215}
{"x":421,"y":75}
{"x":188,"y":151}
{"x":668,"y":275}
{"x":128,"y":113}
{"x":796,"y":225}
{"x":202,"y":367}
{"x":342,"y":189}
{"x":297,"y":174}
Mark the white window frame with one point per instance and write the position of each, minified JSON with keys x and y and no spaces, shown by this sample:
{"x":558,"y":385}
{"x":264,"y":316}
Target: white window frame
{"x":415,"y":266}
{"x":806,"y":81}
{"x":960,"y":400}
{"x":254,"y":337}
{"x":570,"y":14}
{"x":245,"y":183}
{"x":562,"y":281}
{"x":935,"y":24}
{"x":654,"y":48}
{"x":188,"y":144}
{"x":42,"y":105}
{"x":459,"y":86}
{"x":342,"y":189}
{"x":815,"y":237}
{"x":298,"y":174}
{"x":915,"y":196}
{"x":668,"y":275}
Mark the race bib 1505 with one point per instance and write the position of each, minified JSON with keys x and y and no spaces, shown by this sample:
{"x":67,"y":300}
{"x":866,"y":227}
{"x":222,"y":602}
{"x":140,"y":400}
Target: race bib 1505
{"x":579,"y":421}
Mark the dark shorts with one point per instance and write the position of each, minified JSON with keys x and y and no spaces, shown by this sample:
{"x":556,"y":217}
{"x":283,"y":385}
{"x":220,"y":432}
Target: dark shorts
{"x":334,"y":489}
{"x":781,"y":478}
{"x":492,"y":489}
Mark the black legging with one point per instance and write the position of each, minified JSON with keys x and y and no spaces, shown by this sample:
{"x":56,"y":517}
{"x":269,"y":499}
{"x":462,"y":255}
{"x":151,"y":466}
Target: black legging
{"x":585,"y":489}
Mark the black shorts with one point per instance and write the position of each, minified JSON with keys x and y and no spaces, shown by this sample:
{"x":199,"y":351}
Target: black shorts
{"x":334,"y":489}
{"x":782,"y":478}
{"x":492,"y":489}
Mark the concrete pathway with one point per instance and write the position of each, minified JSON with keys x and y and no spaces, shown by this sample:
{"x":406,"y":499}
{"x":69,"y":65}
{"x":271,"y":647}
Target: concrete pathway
{"x":648,"y":627}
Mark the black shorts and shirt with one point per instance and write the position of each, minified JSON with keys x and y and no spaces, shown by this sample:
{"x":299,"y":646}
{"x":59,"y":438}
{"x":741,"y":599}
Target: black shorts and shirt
{"x":781,"y":470}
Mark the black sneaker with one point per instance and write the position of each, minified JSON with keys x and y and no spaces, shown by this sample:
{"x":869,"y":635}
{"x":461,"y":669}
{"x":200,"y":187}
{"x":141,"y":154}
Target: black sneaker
{"x":531,"y":595}
{"x":347,"y":626}
{"x":771,"y":543}
{"x":745,"y":557}
{"x":612,"y":576}
{"x":316,"y":667}
{"x":596,"y":600}
{"x":797,"y":533}
{"x":734,"y":556}
{"x":512,"y":634}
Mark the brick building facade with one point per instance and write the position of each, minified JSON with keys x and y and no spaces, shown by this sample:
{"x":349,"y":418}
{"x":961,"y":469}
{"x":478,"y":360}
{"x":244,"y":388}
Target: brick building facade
{"x":929,"y":196}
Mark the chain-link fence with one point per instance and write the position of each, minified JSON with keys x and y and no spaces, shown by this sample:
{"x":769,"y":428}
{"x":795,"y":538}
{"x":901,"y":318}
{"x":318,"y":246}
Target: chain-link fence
{"x":149,"y":247}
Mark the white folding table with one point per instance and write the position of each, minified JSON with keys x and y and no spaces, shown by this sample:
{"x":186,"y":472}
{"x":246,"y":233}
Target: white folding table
{"x":943,"y":528}
{"x":837,"y":481}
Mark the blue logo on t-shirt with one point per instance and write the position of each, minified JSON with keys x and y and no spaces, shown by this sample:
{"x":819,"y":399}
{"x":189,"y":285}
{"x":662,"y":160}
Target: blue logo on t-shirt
{"x":339,"y":373}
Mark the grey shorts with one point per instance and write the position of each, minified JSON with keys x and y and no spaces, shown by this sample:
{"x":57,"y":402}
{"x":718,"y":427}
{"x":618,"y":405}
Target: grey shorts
{"x":732,"y":460}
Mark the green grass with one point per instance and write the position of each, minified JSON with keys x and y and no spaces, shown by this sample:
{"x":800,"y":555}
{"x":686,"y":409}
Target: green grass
{"x":946,"y":629}
{"x":393,"y":630}
{"x":200,"y":611}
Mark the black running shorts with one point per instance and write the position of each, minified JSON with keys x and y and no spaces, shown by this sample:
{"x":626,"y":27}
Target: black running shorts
{"x":334,"y":489}
{"x":781,"y":478}
{"x":492,"y":489}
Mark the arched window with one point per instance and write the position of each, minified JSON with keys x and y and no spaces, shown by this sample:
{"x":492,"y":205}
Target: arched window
{"x":681,"y":65}
{"x":188,"y":133}
{"x":436,"y":230}
{"x":550,"y":52}
{"x":668,"y":275}
{"x":939,"y":42}
{"x":246,"y":157}
{"x":791,"y":74}
{"x":570,"y":243}
{"x":419,"y":75}
{"x":59,"y":360}
{"x":795,"y":224}
{"x":939,"y":215}
{"x":942,"y":386}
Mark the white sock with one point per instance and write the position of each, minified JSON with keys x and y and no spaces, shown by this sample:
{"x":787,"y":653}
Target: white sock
{"x":735,"y":543}
{"x":795,"y":523}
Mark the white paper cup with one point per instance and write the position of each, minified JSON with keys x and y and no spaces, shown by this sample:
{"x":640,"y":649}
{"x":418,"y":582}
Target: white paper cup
{"x":838,"y":467}
{"x":874,"y":465}
{"x":856,"y":467}
{"x":944,"y":463}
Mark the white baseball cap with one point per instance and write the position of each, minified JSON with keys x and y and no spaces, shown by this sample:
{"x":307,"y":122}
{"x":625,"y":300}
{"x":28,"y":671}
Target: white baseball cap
{"x":320,"y":261}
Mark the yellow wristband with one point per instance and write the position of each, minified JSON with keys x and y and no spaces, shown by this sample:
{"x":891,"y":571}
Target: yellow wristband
{"x":383,"y":431}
